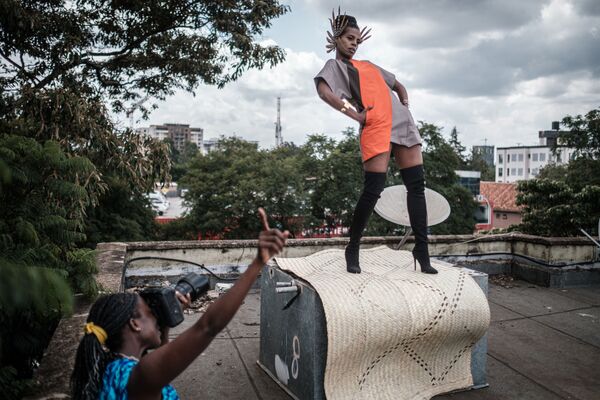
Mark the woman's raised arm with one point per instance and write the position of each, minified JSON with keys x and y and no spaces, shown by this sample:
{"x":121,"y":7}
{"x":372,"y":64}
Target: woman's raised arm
{"x":164,"y":364}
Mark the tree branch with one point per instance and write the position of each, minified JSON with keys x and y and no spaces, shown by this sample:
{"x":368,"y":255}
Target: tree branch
{"x":133,"y":45}
{"x":21,"y":68}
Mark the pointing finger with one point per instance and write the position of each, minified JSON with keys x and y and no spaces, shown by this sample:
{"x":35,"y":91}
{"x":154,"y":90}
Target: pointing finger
{"x":263,"y":218}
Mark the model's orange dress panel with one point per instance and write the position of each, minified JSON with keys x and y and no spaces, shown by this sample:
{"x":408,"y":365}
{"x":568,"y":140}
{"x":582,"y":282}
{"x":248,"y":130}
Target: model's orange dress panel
{"x":376,"y":133}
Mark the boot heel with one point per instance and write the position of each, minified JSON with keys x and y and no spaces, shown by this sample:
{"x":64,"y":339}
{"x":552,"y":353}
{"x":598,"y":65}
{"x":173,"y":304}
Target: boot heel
{"x":352,"y":263}
{"x":424,"y":262}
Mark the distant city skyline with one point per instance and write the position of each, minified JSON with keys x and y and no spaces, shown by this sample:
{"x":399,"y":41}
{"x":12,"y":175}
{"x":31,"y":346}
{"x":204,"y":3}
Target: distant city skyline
{"x":500,"y":71}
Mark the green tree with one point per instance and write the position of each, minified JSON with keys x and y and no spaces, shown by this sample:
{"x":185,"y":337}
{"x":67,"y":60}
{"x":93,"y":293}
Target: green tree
{"x":476,"y":162}
{"x":338,"y":181}
{"x":582,"y":134}
{"x":127,"y":49}
{"x":566,"y":198}
{"x":227,"y":185}
{"x":440,"y":161}
{"x":43,"y":199}
{"x":63,"y":164}
{"x":456,"y":145}
{"x":181,"y":159}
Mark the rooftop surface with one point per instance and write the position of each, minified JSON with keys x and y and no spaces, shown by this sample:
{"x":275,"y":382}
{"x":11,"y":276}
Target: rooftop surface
{"x":543,"y":344}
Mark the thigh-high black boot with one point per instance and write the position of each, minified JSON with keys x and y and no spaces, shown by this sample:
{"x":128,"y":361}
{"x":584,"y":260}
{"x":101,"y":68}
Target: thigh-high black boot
{"x":373,"y":186}
{"x":414,"y":181}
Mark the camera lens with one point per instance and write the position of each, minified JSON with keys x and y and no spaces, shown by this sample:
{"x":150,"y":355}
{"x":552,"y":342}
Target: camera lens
{"x":194,"y":284}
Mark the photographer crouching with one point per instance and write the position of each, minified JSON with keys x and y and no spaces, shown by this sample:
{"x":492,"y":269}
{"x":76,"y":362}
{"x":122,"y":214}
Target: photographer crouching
{"x":121,"y":328}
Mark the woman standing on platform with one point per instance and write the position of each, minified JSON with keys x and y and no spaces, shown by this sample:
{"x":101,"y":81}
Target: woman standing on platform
{"x":379,"y":103}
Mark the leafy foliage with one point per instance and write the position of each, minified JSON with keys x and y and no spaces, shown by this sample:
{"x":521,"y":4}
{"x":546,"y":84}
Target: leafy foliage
{"x":476,"y":162}
{"x":566,"y":198}
{"x":125,"y":48}
{"x":229,"y":184}
{"x":456,"y":145}
{"x":181,"y":159}
{"x":68,"y":176}
{"x":306,"y":187}
{"x":441,"y":159}
{"x":583,"y":134}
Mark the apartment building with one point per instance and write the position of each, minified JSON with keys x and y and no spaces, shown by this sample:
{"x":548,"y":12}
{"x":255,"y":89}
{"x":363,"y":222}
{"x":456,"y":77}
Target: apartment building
{"x":517,"y":163}
{"x":178,"y":133}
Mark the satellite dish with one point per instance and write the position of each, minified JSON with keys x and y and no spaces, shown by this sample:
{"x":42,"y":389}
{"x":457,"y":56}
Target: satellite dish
{"x":392,"y":206}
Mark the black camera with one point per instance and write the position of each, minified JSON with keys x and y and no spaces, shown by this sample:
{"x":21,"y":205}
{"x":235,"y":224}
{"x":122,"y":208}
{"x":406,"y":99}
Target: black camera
{"x":164,"y":304}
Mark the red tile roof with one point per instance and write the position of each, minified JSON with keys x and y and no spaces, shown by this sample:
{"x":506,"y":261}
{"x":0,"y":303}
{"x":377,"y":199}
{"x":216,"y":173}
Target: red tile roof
{"x":503,"y":196}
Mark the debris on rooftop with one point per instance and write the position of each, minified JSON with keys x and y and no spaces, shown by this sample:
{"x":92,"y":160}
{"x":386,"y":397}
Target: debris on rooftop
{"x":504,"y":280}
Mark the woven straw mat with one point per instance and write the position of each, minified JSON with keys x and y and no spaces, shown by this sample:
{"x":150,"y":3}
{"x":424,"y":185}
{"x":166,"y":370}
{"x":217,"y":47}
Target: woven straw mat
{"x":394,"y":333}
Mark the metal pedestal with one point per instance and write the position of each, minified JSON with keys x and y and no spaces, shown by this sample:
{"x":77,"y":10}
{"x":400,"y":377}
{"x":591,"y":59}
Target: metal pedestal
{"x":293,"y":336}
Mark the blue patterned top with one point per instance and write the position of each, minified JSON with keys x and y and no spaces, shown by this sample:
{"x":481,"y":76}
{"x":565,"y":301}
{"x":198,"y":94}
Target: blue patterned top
{"x":116,"y":376}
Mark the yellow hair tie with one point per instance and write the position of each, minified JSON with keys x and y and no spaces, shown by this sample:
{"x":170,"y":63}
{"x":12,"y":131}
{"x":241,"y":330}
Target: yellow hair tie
{"x":96,"y":330}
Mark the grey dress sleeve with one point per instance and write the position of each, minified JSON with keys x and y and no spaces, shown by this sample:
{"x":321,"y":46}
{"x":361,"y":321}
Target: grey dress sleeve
{"x":388,"y":77}
{"x":335,"y":75}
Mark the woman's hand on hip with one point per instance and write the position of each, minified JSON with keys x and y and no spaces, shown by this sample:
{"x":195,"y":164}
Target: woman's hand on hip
{"x":362,"y":116}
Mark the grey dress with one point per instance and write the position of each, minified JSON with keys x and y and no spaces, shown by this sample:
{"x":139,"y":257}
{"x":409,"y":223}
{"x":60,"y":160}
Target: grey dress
{"x":364,"y":84}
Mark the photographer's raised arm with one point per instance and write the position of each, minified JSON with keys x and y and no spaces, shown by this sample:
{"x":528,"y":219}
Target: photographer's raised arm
{"x":160,"y":367}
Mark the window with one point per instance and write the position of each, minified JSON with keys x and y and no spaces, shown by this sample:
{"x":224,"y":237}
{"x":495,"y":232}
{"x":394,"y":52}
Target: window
{"x":520,"y":172}
{"x":507,"y":171}
{"x":513,"y":171}
{"x":520,"y":157}
{"x":498,"y":215}
{"x":528,"y":170}
{"x":529,"y":156}
{"x":481,"y":215}
{"x":504,"y":216}
{"x":542,"y":156}
{"x":507,"y":158}
{"x":500,"y":158}
{"x":500,"y":171}
{"x":535,"y":156}
{"x":535,"y":171}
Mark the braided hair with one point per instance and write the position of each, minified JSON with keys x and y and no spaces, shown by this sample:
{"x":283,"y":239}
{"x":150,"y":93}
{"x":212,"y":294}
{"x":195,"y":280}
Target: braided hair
{"x":111,"y":313}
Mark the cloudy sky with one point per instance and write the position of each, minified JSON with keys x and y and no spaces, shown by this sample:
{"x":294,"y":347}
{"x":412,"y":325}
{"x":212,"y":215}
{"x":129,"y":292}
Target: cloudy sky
{"x":498,"y":70}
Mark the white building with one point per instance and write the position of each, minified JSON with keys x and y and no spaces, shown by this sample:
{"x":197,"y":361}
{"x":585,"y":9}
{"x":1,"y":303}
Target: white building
{"x":209,"y":145}
{"x":181,"y":133}
{"x":525,"y":162}
{"x":212,"y":144}
{"x":178,"y":133}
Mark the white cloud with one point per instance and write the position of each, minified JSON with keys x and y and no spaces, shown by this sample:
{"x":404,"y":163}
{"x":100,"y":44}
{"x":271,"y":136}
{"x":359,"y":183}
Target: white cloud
{"x":498,"y":70}
{"x":248,"y":107}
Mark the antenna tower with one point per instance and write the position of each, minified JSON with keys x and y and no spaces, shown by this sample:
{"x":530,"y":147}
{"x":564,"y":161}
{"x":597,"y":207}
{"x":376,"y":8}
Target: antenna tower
{"x":278,"y":137}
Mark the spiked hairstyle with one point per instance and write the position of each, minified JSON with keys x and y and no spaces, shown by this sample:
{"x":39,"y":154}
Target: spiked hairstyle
{"x":338,"y":24}
{"x":111,"y":313}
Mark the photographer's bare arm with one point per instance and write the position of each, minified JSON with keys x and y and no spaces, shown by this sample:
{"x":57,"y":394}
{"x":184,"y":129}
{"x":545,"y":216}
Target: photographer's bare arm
{"x":161,"y":366}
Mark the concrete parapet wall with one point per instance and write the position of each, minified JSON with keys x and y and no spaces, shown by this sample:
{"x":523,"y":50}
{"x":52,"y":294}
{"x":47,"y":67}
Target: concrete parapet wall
{"x":239,"y":252}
